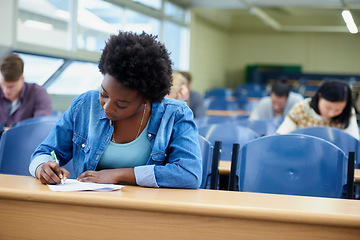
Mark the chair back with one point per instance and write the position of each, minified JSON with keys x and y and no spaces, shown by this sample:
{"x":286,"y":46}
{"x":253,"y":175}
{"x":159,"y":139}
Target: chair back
{"x":215,"y":119}
{"x":263,"y":127}
{"x":206,"y":154}
{"x":221,"y":104}
{"x":219,"y":92}
{"x":39,"y":119}
{"x":336,"y":136}
{"x":256,"y":90}
{"x":228,"y":134}
{"x":247,"y":106}
{"x":292,"y":164}
{"x":18,"y":143}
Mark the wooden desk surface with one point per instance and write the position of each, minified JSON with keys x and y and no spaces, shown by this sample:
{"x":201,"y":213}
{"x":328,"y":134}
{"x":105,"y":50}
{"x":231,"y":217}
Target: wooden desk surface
{"x":29,"y":210}
{"x":357,"y":175}
{"x":227,"y":113}
{"x":224,"y":169}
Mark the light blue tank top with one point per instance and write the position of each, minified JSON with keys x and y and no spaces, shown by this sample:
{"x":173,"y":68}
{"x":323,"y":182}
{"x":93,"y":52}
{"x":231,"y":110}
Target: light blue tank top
{"x":127,"y":155}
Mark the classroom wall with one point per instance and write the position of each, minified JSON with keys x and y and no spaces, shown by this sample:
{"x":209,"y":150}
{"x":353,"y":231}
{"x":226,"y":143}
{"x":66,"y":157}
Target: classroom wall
{"x":219,"y":56}
{"x":208,"y":54}
{"x":315,"y":52}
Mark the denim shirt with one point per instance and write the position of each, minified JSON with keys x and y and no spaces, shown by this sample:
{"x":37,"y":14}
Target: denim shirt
{"x":84,"y":132}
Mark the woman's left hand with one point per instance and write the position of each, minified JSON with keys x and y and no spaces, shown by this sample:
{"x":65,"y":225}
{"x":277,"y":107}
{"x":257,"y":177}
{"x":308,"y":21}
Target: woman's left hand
{"x":109,"y":176}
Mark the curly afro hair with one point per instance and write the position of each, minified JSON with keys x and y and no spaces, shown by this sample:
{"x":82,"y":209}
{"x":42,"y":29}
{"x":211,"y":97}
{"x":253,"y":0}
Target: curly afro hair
{"x":139,"y":62}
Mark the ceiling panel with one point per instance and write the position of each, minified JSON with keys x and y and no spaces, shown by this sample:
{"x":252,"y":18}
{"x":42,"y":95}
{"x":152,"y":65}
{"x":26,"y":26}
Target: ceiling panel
{"x":276,"y":15}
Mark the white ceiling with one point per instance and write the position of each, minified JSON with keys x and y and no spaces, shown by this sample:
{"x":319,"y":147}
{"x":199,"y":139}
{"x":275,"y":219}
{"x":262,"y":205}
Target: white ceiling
{"x":276,"y":15}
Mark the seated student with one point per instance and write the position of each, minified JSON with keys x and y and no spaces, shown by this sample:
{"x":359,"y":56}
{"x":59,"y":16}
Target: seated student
{"x":196,"y":101}
{"x":279,"y":102}
{"x":331,"y":106}
{"x":20,"y":100}
{"x":357,"y":103}
{"x":126,"y":131}
{"x":179,"y":89}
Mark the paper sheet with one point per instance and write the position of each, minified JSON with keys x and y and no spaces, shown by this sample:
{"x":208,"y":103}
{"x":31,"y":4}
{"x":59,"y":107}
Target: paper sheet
{"x":72,"y":185}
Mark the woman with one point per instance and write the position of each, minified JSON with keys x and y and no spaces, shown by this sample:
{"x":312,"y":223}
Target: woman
{"x":127,"y":131}
{"x":179,"y":89}
{"x":331,"y":106}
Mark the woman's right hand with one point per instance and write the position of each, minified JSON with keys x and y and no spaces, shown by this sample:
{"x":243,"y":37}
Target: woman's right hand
{"x":50,"y":173}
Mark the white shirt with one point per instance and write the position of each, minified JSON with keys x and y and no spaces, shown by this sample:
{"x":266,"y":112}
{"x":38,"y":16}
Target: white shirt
{"x":264,"y":109}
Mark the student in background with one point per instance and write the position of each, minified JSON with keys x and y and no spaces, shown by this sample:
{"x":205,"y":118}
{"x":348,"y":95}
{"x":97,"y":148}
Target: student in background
{"x":278,"y":104}
{"x":20,"y":100}
{"x":179,"y":89}
{"x":331,"y":106}
{"x":357,"y":103}
{"x":196,"y":101}
{"x":126,"y":131}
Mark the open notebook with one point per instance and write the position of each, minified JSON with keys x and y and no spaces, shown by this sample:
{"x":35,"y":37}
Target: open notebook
{"x":72,"y":185}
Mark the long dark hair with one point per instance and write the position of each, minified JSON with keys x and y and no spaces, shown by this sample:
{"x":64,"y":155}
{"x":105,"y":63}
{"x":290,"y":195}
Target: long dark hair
{"x":335,"y":91}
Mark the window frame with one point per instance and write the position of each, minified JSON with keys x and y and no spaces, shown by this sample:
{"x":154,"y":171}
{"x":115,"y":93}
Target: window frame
{"x":74,"y":53}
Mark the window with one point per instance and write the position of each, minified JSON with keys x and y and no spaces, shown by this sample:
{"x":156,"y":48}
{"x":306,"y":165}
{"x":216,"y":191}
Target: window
{"x":38,"y":69}
{"x":174,"y":11}
{"x":177,"y":42}
{"x":138,"y":23}
{"x":156,"y":4}
{"x":75,"y":31}
{"x":44,"y":22}
{"x":97,"y":20}
{"x":77,"y":78}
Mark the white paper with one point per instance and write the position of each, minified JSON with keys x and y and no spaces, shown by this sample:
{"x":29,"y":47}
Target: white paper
{"x":72,"y":185}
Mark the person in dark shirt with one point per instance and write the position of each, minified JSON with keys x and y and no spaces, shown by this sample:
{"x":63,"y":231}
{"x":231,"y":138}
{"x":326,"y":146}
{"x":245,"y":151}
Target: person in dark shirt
{"x":195,"y":101}
{"x":19,"y":100}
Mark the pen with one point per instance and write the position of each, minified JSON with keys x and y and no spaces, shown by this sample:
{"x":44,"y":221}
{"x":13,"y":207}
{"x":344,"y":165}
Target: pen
{"x":57,"y":161}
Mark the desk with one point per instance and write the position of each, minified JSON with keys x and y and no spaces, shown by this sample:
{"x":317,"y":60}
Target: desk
{"x":145,"y":213}
{"x":227,"y":113}
{"x":224,"y":169}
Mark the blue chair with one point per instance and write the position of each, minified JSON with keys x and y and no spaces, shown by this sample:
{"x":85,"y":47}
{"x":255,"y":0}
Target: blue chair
{"x":51,"y":118}
{"x":219,"y":92}
{"x":263,"y":127}
{"x":241,"y":117}
{"x":228,"y":134}
{"x":206,"y":154}
{"x":18,"y":143}
{"x":247,"y":106}
{"x":344,"y":141}
{"x":220,"y":104}
{"x":212,"y":119}
{"x":309,"y":87}
{"x":294,"y":165}
{"x":253,"y":90}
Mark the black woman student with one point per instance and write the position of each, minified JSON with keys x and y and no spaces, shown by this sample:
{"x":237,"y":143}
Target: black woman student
{"x":126,"y":132}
